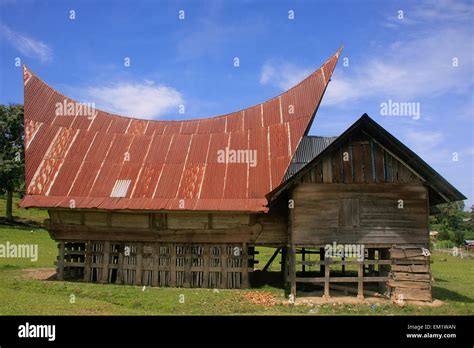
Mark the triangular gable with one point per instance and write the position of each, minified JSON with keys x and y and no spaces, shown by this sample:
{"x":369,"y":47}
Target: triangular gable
{"x":380,"y":158}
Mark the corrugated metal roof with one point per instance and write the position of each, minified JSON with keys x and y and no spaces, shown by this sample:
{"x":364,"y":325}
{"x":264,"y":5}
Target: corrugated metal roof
{"x":170,"y":164}
{"x":309,"y":148}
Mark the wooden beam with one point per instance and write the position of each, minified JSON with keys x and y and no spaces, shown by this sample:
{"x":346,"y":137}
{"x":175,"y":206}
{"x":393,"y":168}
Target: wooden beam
{"x":327,"y":271}
{"x":360,"y":282}
{"x":87,"y":261}
{"x":61,"y":248}
{"x":105,"y":262}
{"x":245,"y":267}
{"x":138,"y":274}
{"x":277,"y":251}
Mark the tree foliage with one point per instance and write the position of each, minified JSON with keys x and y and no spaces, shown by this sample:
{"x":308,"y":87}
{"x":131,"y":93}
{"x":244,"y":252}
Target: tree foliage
{"x":11,"y":151}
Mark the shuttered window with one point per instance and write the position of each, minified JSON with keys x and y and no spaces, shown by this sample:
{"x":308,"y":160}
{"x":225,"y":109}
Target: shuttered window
{"x":349,"y":212}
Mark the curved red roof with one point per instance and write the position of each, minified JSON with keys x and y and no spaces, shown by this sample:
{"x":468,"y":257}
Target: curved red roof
{"x":81,"y":159}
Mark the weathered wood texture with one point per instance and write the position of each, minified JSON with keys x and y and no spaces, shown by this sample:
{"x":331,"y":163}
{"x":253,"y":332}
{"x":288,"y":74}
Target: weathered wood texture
{"x":360,"y":213}
{"x":170,"y":227}
{"x":360,"y":160}
{"x":410,"y":276}
{"x":158,"y":264}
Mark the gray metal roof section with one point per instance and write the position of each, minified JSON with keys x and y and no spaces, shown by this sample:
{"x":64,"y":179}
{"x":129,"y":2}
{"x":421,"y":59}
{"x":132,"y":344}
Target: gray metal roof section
{"x":309,"y":148}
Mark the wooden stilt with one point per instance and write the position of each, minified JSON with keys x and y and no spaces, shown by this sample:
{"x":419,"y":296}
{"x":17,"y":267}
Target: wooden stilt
{"x":61,"y":247}
{"x":321,"y":258}
{"x":360,"y":281}
{"x":245,"y":266}
{"x":293,"y":270}
{"x":138,"y":275}
{"x":284,"y":265}
{"x":105,"y":262}
{"x":87,"y":261}
{"x":327,"y":273}
{"x":172,"y":265}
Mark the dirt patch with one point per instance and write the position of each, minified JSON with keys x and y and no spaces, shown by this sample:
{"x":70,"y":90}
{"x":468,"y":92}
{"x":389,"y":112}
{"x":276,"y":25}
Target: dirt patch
{"x":261,"y":298}
{"x":40,"y":273}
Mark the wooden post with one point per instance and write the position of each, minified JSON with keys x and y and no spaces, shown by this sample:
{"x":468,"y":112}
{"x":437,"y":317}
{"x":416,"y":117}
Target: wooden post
{"x":206,"y":258}
{"x":187,"y":266}
{"x":303,"y":258}
{"x":156,"y":261}
{"x":321,"y":258}
{"x":360,"y":281}
{"x":119,"y":278}
{"x":138,"y":269}
{"x":245,"y":266}
{"x":224,"y":265}
{"x":87,"y":262}
{"x":105,"y":262}
{"x":61,"y":261}
{"x":172,"y":265}
{"x":327,"y":274}
{"x":293,"y":270}
{"x":383,"y":269}
{"x":284,"y":264}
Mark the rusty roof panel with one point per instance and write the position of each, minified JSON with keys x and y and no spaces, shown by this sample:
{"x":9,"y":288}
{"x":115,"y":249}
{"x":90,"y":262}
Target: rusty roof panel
{"x":105,"y":180}
{"x":204,"y":126}
{"x":279,"y":140}
{"x":137,"y":127}
{"x":213,"y":183}
{"x":235,"y":122}
{"x":172,"y":127}
{"x":85,"y":179}
{"x":80,"y":158}
{"x":119,"y":125}
{"x":191,"y":181}
{"x":189,"y":127}
{"x":259,"y":175}
{"x":271,"y":112}
{"x":65,"y":178}
{"x":199,"y":148}
{"x":253,"y":117}
{"x":146,"y":183}
{"x":101,"y":122}
{"x":179,"y":149}
{"x":169,"y":180}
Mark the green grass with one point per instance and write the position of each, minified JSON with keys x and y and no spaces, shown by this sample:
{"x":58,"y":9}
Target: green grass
{"x":36,"y":215}
{"x":19,"y":295}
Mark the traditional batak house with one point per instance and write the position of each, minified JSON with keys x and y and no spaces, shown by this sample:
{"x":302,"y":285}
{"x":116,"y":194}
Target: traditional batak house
{"x":185,"y":203}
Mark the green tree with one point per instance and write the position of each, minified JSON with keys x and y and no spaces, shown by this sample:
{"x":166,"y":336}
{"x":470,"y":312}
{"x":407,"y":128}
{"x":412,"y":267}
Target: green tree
{"x":450,"y":216}
{"x":11,"y":153}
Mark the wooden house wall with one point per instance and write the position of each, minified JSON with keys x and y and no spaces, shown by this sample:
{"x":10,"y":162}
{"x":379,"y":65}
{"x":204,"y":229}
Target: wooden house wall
{"x":352,"y":195}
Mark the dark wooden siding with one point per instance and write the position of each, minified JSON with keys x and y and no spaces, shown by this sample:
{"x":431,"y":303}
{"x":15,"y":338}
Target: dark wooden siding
{"x":360,"y":213}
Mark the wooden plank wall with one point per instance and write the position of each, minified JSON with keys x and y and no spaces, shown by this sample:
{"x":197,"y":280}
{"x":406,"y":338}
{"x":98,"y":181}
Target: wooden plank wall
{"x":157,"y":264}
{"x":360,"y":213}
{"x":360,"y":160}
{"x":196,"y":227}
{"x":410,"y":276}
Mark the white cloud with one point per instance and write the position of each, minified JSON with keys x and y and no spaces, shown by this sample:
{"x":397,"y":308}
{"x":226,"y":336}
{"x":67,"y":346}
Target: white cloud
{"x":409,"y":70}
{"x":282,"y":74}
{"x":142,"y":100}
{"x":26,"y":45}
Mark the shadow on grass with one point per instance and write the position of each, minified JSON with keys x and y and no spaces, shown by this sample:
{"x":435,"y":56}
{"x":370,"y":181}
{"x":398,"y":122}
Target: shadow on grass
{"x":448,"y":295}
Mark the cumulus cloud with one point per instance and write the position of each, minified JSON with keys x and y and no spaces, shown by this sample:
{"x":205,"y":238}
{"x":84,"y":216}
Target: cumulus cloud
{"x":143,"y":100}
{"x":282,"y":74}
{"x":26,"y":45}
{"x":421,"y":67}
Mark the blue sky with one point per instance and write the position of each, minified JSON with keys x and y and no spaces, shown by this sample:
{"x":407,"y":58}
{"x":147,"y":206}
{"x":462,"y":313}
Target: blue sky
{"x":405,"y":51}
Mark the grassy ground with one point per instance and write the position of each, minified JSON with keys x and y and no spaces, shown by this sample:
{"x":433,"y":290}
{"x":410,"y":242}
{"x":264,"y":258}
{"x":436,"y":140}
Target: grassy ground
{"x":454,"y":284}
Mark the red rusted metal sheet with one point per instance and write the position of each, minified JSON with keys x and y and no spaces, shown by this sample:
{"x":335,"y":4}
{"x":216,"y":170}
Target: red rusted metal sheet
{"x":74,"y":159}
